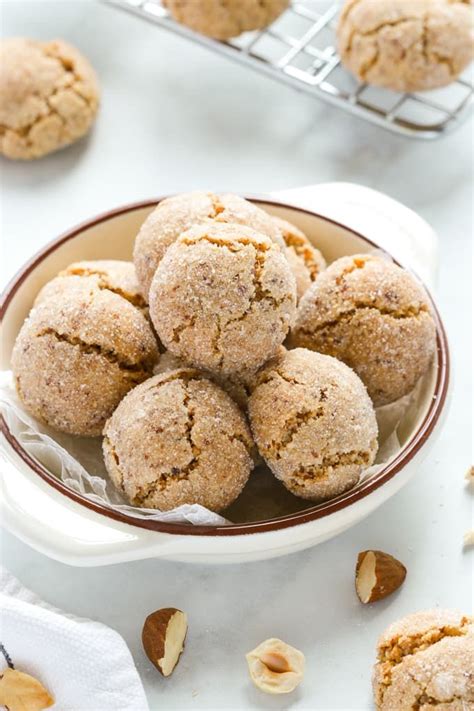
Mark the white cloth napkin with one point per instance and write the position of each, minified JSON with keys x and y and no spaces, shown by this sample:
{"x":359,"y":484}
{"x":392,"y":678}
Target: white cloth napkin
{"x":84,"y":665}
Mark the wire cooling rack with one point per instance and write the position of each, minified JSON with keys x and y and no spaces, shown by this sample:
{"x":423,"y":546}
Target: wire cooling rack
{"x":299,"y":49}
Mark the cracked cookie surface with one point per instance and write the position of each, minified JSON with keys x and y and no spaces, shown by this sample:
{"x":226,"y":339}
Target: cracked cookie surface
{"x":426,"y":660}
{"x":178,"y":439}
{"x":223,"y":20}
{"x":49,"y":97}
{"x":179,"y":213}
{"x":306,"y":261}
{"x":223,"y":298}
{"x":406,"y":45}
{"x":112,"y":274}
{"x":78,"y":354}
{"x":313,"y":423}
{"x":375,"y":317}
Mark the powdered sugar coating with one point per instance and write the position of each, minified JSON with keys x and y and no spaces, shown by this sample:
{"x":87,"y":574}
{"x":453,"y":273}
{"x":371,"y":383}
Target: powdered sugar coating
{"x":405,"y":45}
{"x":178,"y":439}
{"x":179,"y":213}
{"x":313,"y":423}
{"x":223,"y":298}
{"x":305,"y":260}
{"x":78,"y":354}
{"x":49,"y":96}
{"x":374,"y":316}
{"x":426,"y":659}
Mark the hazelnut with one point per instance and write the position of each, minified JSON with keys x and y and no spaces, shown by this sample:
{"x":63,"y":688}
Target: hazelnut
{"x":163,"y":638}
{"x":275,"y":667}
{"x":22,"y":692}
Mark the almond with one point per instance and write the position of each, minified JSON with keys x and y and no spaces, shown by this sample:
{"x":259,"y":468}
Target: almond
{"x":163,"y":638}
{"x":378,"y":575}
{"x":22,"y":692}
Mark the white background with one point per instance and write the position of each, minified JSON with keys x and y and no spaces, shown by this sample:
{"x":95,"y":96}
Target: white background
{"x":174,"y":118}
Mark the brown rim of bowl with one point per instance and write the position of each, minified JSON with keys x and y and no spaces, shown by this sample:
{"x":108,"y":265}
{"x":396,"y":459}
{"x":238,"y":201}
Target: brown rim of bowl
{"x":314,"y":512}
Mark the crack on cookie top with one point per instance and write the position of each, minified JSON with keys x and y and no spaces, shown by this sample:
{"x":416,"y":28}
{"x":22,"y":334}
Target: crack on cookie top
{"x":136,"y":299}
{"x":393,"y":652}
{"x":141,"y":368}
{"x":346,"y":316}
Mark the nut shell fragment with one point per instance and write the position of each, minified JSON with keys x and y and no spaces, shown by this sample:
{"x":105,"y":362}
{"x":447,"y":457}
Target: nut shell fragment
{"x":22,"y":692}
{"x":275,"y":667}
{"x":163,"y":638}
{"x":378,"y":575}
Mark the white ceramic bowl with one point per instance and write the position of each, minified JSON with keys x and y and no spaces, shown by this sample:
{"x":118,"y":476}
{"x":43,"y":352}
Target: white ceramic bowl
{"x":43,"y":512}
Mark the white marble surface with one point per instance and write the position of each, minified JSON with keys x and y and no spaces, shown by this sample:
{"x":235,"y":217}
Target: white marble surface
{"x":175,"y":118}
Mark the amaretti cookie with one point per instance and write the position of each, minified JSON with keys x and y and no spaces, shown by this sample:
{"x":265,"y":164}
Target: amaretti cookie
{"x":179,"y":213}
{"x":78,"y":354}
{"x":111,"y":274}
{"x":178,"y":439}
{"x":406,"y":45}
{"x":374,"y":316}
{"x":49,"y":96}
{"x":223,"y":298}
{"x":223,"y":20}
{"x":426,"y":660}
{"x":305,"y":260}
{"x":313,"y":423}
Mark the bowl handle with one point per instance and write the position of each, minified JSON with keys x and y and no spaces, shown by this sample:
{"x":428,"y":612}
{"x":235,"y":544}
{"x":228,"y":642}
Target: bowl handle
{"x":388,"y":223}
{"x":63,"y":529}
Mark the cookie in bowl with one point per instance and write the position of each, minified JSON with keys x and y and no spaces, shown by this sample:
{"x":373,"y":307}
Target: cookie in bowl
{"x":178,"y":439}
{"x":179,"y":213}
{"x":313,"y":423}
{"x":49,"y":97}
{"x":223,"y":298}
{"x":78,"y":353}
{"x":376,"y":318}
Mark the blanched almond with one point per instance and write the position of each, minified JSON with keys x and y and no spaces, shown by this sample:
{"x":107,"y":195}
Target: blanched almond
{"x":22,"y":692}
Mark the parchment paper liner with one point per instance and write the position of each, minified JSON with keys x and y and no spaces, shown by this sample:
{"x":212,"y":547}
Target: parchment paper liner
{"x":78,"y":462}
